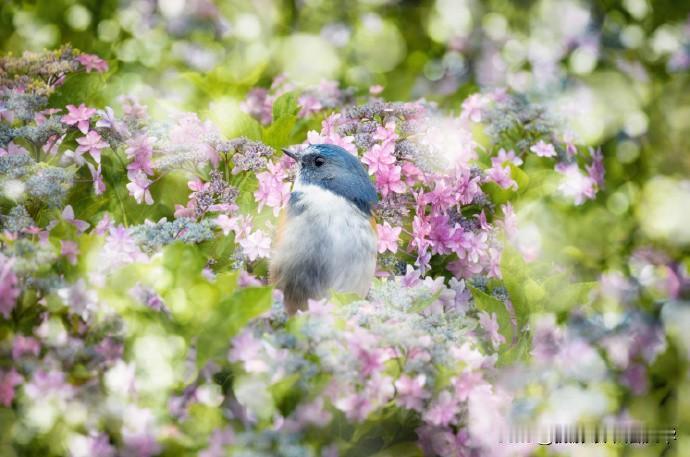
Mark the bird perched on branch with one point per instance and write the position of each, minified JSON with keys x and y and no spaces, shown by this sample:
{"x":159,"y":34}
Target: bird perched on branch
{"x":326,"y":237}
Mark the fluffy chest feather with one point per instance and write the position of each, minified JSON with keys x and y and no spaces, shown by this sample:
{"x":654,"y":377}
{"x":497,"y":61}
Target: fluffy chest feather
{"x":326,"y":242}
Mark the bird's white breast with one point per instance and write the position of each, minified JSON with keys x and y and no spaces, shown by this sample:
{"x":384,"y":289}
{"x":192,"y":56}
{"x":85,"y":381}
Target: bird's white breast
{"x":330,"y":228}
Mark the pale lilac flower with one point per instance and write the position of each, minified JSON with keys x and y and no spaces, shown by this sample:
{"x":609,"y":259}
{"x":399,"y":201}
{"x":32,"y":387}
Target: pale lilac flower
{"x":13,"y":149}
{"x":313,"y":413}
{"x":92,"y":62}
{"x":387,"y":237}
{"x":596,"y":169}
{"x":48,"y":383}
{"x":635,"y":378}
{"x":472,"y":108}
{"x":442,"y":411}
{"x":79,"y":116}
{"x":98,"y":183}
{"x":190,"y":132}
{"x":140,"y":149}
{"x":227,"y":224}
{"x":464,"y":384}
{"x":9,"y":286}
{"x":543,"y":149}
{"x":69,"y":249}
{"x":246,"y":348}
{"x":247,"y":280}
{"x":108,"y":120}
{"x":93,"y":144}
{"x":411,"y":277}
{"x":8,"y":381}
{"x":220,"y":438}
{"x":501,"y":176}
{"x":103,"y":225}
{"x":411,"y":392}
{"x":6,"y":113}
{"x":502,"y":157}
{"x":68,"y":216}
{"x":52,"y":144}
{"x":575,"y":185}
{"x":42,"y":116}
{"x":256,"y":245}
{"x":490,"y":325}
{"x":139,"y":187}
{"x":388,"y":180}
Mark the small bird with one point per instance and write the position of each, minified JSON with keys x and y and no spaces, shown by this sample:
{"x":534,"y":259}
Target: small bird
{"x":326,"y":237}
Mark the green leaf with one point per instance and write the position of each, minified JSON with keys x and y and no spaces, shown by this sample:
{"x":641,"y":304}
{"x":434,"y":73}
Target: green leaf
{"x":514,"y":273}
{"x":344,"y":298}
{"x":279,"y":133}
{"x":520,"y":177}
{"x":230,"y":316}
{"x":405,"y":449}
{"x":285,"y":105}
{"x":489,"y":304}
{"x":246,"y":126}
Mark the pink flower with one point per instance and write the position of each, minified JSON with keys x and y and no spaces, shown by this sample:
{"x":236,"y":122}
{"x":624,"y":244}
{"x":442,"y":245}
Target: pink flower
{"x":329,"y":135}
{"x":490,"y":326}
{"x":68,"y":216}
{"x":442,"y":411}
{"x":387,"y":135}
{"x":411,"y":392}
{"x":23,"y":345}
{"x":256,"y":245}
{"x":70,"y":250}
{"x":9,"y":290}
{"x":273,"y":191}
{"x":501,"y":176}
{"x":388,"y":180}
{"x":412,"y":173}
{"x":98,"y":183}
{"x":93,"y":144}
{"x":543,"y":149}
{"x":388,"y":237}
{"x":378,"y":158}
{"x":472,"y":108}
{"x":308,"y":104}
{"x":465,"y":383}
{"x":92,"y":62}
{"x":8,"y":381}
{"x":376,"y":89}
{"x":139,"y":187}
{"x":79,"y":116}
{"x":355,"y":406}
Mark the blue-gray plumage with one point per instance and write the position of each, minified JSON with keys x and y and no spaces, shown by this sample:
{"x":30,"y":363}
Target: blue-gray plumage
{"x":326,"y":238}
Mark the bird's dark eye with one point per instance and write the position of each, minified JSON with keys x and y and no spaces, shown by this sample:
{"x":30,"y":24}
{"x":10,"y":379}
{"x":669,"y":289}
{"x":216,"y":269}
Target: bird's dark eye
{"x":318,"y":161}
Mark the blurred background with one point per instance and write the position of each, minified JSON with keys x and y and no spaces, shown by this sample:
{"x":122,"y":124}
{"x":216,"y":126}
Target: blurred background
{"x":615,"y":72}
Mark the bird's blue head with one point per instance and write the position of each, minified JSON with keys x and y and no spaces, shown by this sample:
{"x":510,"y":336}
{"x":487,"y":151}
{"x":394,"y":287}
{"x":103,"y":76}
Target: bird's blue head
{"x":333,"y":168}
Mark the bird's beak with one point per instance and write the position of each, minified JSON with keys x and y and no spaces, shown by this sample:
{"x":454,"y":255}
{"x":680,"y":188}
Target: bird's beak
{"x":291,"y":154}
